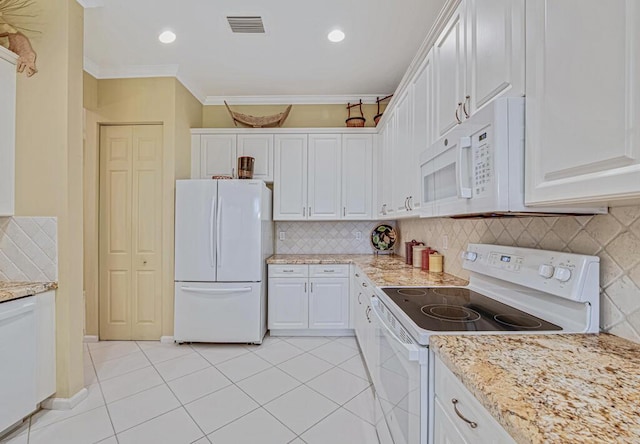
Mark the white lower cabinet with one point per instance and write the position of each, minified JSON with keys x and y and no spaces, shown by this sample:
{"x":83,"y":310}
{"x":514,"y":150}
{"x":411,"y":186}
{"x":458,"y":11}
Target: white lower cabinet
{"x":361,"y":293}
{"x":27,"y":347}
{"x":302,"y":298}
{"x":459,"y":416}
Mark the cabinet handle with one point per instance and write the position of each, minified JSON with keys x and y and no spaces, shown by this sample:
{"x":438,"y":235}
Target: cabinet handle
{"x":357,"y":275}
{"x":233,"y":173}
{"x":309,"y":211}
{"x":410,"y":204}
{"x":405,"y":204}
{"x":344,"y":211}
{"x":304,"y":211}
{"x":384,"y":209}
{"x":287,"y":271}
{"x":305,"y":287}
{"x":464,"y":106}
{"x":458,"y":109}
{"x":364,"y":284}
{"x":366,"y":312}
{"x":328,"y":271}
{"x":472,"y":424}
{"x":359,"y":301}
{"x":311,"y":287}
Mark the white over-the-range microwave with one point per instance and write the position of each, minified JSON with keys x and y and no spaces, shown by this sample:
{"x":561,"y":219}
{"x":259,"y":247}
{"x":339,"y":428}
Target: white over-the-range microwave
{"x":477,"y":169}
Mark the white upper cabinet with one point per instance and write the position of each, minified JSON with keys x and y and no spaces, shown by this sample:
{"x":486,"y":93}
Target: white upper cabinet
{"x":325,"y":174}
{"x":449,"y":62}
{"x":217,"y":155}
{"x":357,"y":180}
{"x":290,"y":177}
{"x":478,"y":56}
{"x":494,"y":51}
{"x":7,"y":131}
{"x":260,"y":147}
{"x":384,"y":170}
{"x":583,"y":101}
{"x":403,"y":160}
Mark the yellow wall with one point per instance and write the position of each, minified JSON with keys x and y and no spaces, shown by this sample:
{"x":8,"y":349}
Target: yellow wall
{"x":301,"y":116}
{"x":132,"y":101}
{"x":49,"y":166}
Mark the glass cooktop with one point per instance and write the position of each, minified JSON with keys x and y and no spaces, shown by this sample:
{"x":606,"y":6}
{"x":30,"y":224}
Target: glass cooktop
{"x":460,"y":309}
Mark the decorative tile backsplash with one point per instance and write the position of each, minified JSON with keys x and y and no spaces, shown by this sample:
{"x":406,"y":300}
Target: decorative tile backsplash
{"x":325,"y":237}
{"x":614,"y":237}
{"x":28,"y":249}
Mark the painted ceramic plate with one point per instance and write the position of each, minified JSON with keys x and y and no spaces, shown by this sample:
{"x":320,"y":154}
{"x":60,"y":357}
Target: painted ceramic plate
{"x":383,"y":237}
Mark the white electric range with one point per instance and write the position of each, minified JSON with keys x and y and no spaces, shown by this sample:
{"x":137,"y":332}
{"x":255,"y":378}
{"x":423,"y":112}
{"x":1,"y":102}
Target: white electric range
{"x":511,"y":291}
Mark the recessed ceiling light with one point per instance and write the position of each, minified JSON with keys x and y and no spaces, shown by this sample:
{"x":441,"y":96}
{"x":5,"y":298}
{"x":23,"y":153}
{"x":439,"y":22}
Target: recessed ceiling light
{"x":336,"y":36}
{"x":167,"y":37}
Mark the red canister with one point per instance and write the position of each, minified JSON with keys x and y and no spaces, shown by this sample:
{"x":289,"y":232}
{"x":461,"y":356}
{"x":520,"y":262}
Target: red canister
{"x":425,"y":258}
{"x":408,"y":251}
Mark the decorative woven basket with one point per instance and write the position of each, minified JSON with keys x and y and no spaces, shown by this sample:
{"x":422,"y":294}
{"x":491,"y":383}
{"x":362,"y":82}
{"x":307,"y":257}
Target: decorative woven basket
{"x":355,"y":122}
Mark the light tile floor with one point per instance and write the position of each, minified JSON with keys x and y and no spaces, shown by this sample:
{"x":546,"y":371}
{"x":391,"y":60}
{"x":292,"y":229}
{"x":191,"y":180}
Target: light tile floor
{"x":287,"y":390}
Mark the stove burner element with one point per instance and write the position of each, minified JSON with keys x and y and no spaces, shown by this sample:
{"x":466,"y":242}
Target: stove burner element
{"x":411,"y":292}
{"x":518,"y":321}
{"x":452,"y":313}
{"x":450,"y":292}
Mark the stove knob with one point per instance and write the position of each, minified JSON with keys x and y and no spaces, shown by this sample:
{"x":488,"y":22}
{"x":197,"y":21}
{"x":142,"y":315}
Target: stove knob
{"x":469,"y":256}
{"x":562,"y":274}
{"x":545,"y":270}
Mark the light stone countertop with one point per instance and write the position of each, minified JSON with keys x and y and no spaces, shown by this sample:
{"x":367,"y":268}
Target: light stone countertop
{"x":551,"y":388}
{"x":15,"y":290}
{"x":382,"y":270}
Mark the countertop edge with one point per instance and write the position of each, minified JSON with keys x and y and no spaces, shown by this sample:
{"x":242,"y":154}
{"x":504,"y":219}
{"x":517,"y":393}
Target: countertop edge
{"x":10,"y":291}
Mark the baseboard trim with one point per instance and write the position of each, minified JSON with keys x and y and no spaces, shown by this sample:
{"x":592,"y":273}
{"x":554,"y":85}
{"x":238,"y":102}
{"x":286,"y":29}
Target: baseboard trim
{"x":65,"y":403}
{"x":166,"y":340}
{"x":90,"y":339}
{"x":313,"y":332}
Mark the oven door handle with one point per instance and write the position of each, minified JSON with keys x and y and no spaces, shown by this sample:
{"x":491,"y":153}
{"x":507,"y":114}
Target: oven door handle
{"x":412,"y":350}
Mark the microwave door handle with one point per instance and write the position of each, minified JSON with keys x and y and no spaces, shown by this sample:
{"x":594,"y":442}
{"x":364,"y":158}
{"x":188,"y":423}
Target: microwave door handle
{"x":463,"y":192}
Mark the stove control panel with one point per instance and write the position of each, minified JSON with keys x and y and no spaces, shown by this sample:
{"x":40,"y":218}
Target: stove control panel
{"x":570,"y":276}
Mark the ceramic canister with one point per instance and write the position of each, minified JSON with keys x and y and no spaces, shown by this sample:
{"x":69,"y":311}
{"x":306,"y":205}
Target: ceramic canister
{"x":417,"y":255}
{"x":435,"y":263}
{"x":425,"y":258}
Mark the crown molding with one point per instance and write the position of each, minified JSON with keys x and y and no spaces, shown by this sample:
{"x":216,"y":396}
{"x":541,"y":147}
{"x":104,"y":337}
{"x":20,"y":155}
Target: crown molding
{"x":292,"y":99}
{"x":91,"y":3}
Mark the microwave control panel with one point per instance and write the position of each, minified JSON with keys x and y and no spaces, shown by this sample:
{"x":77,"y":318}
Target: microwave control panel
{"x":482,"y":162}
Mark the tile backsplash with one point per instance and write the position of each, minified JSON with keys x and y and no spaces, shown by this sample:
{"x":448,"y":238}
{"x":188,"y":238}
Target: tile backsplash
{"x":325,"y":237}
{"x":28,"y":249}
{"x":614,"y":237}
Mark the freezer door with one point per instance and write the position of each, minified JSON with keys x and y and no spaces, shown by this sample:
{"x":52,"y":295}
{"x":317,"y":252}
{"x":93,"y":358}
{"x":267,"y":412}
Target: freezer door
{"x":239,"y":229}
{"x":195,"y":241}
{"x":219,"y":312}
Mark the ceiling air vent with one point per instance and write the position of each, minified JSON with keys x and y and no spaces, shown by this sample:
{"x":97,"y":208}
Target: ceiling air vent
{"x":246,"y":24}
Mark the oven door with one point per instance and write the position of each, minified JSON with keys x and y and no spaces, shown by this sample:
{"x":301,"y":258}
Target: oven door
{"x":401,"y":383}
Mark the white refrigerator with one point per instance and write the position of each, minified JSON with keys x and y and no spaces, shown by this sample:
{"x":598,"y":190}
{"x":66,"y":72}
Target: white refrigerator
{"x":223,"y":235}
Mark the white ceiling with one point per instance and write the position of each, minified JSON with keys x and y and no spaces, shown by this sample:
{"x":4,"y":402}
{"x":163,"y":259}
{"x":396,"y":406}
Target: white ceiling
{"x":293,"y":58}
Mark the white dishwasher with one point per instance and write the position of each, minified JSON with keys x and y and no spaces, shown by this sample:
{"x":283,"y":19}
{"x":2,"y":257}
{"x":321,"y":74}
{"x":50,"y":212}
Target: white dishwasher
{"x":17,"y":360}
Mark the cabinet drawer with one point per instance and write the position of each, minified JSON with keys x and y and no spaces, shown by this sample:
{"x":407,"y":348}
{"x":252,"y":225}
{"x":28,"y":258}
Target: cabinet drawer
{"x":340,"y":270}
{"x":288,"y":270}
{"x":447,"y":389}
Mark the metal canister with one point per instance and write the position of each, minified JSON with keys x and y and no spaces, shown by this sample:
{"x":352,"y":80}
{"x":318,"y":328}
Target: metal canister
{"x":245,"y":167}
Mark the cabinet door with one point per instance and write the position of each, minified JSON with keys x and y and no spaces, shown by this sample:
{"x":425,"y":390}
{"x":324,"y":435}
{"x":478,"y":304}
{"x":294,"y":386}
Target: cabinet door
{"x":288,"y":303}
{"x":7,"y":132}
{"x":329,"y":303}
{"x":495,"y":51}
{"x":260,"y":147}
{"x":217,"y":155}
{"x":325,"y":176}
{"x":402,"y":158}
{"x":583,"y":137}
{"x":290,"y":177}
{"x":449,"y":55}
{"x":357,"y":180}
{"x":384,"y":162}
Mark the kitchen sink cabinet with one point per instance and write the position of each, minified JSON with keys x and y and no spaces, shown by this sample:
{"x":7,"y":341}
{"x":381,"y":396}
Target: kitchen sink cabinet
{"x":308,"y":299}
{"x":459,"y":417}
{"x":583,"y":102}
{"x":7,"y":131}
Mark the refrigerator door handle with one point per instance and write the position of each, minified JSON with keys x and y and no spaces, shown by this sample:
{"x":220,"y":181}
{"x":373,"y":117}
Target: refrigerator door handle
{"x":218,"y":235}
{"x":211,"y":239}
{"x":216,"y":290}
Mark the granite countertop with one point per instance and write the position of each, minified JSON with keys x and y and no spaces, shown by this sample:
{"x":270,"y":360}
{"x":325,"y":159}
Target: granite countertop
{"x":382,"y":270}
{"x":15,"y":290}
{"x":551,"y":388}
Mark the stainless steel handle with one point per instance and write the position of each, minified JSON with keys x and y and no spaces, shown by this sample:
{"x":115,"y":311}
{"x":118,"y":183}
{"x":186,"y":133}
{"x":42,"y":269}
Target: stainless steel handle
{"x":472,"y":424}
{"x":458,"y":109}
{"x":367,"y":312}
{"x":214,"y":291}
{"x":305,"y":287}
{"x":212,"y":216}
{"x":218,"y":234}
{"x":311,"y":287}
{"x":359,"y":301}
{"x":328,"y":271}
{"x":304,"y":211}
{"x":364,"y":284}
{"x":409,"y":201}
{"x":464,"y":106}
{"x":288,"y":271}
{"x":344,"y":211}
{"x":309,"y":211}
{"x":405,"y":203}
{"x":233,"y":172}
